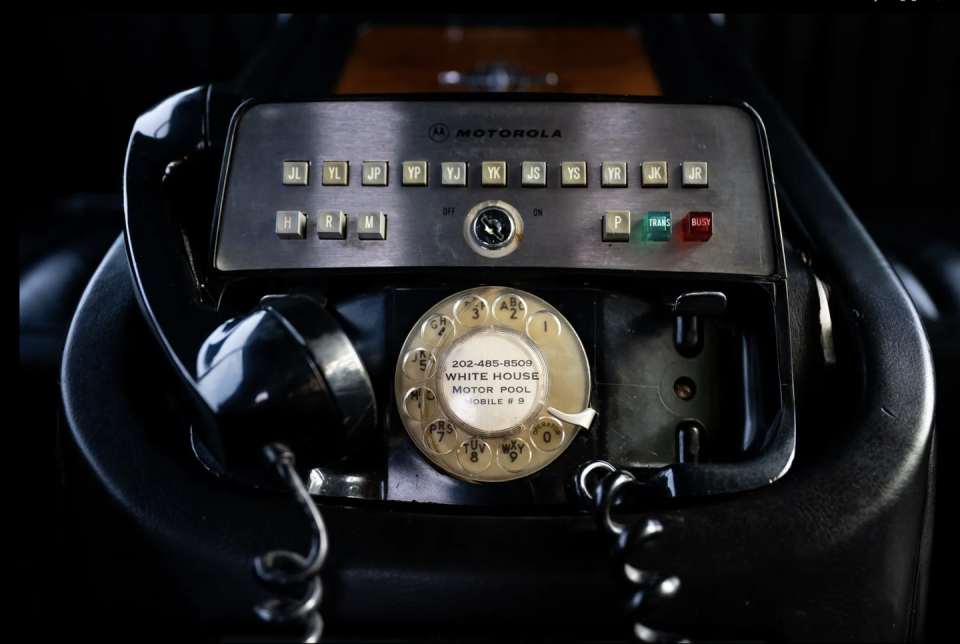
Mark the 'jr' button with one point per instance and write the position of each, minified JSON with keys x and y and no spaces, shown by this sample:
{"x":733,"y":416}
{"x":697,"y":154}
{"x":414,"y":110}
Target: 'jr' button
{"x":657,"y":226}
{"x":694,"y":174}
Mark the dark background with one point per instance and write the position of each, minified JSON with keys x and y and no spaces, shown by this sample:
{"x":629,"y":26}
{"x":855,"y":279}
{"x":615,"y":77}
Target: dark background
{"x":874,"y":96}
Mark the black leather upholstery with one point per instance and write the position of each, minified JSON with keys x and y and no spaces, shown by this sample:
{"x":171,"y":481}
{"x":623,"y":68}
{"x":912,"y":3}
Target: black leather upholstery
{"x":50,"y":288}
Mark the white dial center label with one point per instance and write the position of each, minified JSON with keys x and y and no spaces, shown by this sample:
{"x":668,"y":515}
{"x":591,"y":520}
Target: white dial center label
{"x":492,"y":379}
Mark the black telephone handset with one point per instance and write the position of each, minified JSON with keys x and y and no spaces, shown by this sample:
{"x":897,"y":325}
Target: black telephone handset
{"x":565,"y":304}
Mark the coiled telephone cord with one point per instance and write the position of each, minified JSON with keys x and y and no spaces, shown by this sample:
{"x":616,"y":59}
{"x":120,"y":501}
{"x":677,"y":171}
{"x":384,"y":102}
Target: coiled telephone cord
{"x":283,"y":569}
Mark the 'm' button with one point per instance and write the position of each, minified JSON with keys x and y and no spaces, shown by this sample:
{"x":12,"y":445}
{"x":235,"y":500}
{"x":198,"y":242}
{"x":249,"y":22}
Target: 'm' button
{"x":371,"y":224}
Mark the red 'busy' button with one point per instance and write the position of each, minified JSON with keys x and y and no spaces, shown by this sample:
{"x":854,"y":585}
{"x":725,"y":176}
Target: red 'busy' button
{"x":698,"y":226}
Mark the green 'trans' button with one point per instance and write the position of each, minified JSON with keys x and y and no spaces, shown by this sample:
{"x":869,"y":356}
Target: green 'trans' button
{"x":657,"y":226}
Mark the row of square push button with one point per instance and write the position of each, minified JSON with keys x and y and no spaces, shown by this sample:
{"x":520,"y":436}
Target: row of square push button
{"x":573,"y":174}
{"x":332,"y":224}
{"x":372,"y":225}
{"x":657,"y":226}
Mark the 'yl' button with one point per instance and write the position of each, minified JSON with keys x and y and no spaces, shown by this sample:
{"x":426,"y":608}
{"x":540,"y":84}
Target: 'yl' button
{"x":335,"y":173}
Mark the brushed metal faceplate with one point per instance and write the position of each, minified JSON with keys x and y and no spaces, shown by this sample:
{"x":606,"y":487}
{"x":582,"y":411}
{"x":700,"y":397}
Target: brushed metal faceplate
{"x":562,"y":226}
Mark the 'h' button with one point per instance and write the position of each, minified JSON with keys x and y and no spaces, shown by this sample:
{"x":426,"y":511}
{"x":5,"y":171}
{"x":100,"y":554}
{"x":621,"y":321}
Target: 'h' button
{"x":291,"y":224}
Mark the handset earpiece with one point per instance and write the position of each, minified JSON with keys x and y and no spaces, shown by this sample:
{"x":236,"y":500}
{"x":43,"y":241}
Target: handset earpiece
{"x":286,"y":372}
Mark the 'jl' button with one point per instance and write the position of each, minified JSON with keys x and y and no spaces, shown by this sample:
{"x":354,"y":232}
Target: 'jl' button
{"x":296,"y":173}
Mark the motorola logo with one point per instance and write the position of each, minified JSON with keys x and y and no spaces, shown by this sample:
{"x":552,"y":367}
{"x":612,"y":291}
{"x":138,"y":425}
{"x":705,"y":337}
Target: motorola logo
{"x":439,"y":132}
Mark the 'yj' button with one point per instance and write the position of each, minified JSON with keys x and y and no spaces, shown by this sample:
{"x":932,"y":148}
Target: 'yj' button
{"x":453,"y":173}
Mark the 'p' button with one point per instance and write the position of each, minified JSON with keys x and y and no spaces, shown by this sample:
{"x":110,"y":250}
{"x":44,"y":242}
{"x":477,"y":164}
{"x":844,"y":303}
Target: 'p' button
{"x":616,"y":226}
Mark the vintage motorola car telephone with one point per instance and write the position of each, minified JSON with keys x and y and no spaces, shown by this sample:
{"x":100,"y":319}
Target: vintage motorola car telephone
{"x":467,"y":330}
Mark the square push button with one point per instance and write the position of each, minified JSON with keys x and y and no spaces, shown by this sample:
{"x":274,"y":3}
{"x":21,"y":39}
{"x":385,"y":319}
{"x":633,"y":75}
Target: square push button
{"x":453,"y":173}
{"x":533,"y":174}
{"x":296,"y":173}
{"x":573,"y":174}
{"x":698,"y":226}
{"x":371,"y":224}
{"x":374,"y":173}
{"x":614,"y":174}
{"x":616,"y":226}
{"x":331,"y":224}
{"x":694,"y":174}
{"x":494,"y":173}
{"x":414,"y":173}
{"x":654,"y":174}
{"x":336,"y":173}
{"x":657,"y":225}
{"x":291,"y":224}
